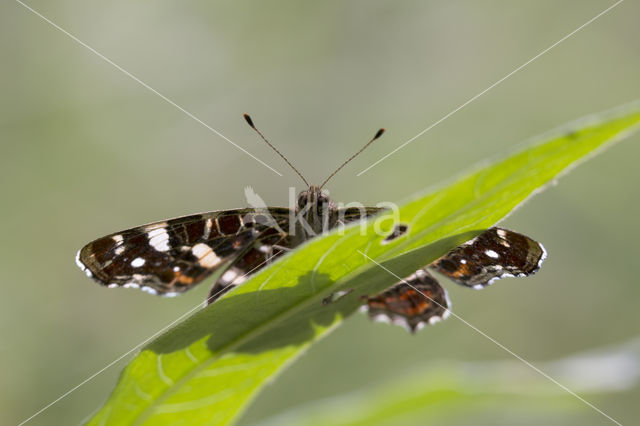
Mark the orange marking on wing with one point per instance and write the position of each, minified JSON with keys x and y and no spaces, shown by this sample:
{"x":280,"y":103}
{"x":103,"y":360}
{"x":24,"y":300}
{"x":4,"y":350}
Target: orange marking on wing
{"x":463,"y":270}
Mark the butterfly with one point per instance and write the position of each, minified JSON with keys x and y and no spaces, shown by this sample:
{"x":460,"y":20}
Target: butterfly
{"x":172,"y":256}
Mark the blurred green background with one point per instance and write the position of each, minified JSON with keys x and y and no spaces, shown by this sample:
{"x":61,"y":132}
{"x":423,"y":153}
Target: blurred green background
{"x":86,"y":151}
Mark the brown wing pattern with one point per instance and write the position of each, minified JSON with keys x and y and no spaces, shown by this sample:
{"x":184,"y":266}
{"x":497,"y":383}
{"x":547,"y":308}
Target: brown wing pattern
{"x":263,"y":251}
{"x":494,"y":254}
{"x":172,"y":256}
{"x":267,"y":247}
{"x":411,"y":304}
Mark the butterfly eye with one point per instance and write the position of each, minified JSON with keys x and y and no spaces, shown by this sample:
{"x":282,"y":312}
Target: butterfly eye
{"x":302,"y":200}
{"x":323,"y":200}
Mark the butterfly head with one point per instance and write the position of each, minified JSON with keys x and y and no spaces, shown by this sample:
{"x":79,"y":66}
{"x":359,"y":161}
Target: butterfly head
{"x":316,"y":208}
{"x":313,"y":199}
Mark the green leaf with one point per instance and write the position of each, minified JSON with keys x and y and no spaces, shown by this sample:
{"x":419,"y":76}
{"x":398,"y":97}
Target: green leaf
{"x":208,"y":368}
{"x":449,"y":393}
{"x":489,"y":392}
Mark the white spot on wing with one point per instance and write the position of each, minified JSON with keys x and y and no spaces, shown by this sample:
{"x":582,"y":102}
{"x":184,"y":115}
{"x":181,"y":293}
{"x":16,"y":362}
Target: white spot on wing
{"x":501,"y":233}
{"x":543,"y":257}
{"x":138,"y":262}
{"x":432,"y":320}
{"x":494,"y":279}
{"x":382,"y":318}
{"x":149,"y":290}
{"x":235,"y":276}
{"x":492,"y":254}
{"x":82,"y":266}
{"x":119,"y":246}
{"x":207,"y":229}
{"x":240,"y":280}
{"x":206,"y":257}
{"x":229,"y":276}
{"x":200,"y":250}
{"x":159,"y":239}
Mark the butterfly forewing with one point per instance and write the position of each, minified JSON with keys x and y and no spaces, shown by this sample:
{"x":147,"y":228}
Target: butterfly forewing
{"x":268,"y":246}
{"x":172,"y":256}
{"x":494,"y":254}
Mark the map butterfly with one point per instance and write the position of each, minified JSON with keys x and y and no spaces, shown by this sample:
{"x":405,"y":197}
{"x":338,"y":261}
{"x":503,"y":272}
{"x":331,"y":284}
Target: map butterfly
{"x":172,"y":256}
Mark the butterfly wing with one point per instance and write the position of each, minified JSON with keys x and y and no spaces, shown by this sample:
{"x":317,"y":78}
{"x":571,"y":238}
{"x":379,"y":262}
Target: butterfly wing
{"x":172,"y":256}
{"x":264,"y":250}
{"x":494,"y":254}
{"x":412,"y":303}
{"x":270,"y":245}
{"x":352,"y":214}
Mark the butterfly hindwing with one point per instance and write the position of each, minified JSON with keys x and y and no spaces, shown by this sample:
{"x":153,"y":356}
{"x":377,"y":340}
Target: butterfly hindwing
{"x":494,"y":254}
{"x":420,"y":300}
{"x":411,"y":303}
{"x":172,"y":256}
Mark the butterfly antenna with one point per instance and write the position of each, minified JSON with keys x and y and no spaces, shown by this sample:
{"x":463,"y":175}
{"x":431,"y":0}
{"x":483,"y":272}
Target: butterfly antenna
{"x":250,"y":122}
{"x":378,"y":134}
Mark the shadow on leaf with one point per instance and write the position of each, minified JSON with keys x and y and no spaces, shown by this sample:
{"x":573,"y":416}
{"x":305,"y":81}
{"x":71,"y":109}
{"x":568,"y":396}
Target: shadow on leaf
{"x":266,"y":319}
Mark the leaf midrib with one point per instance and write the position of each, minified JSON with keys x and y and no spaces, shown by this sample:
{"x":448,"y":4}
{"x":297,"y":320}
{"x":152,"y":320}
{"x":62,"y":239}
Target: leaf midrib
{"x":148,"y":412}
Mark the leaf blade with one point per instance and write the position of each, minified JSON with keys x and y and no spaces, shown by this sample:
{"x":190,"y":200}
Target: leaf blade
{"x":208,"y":368}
